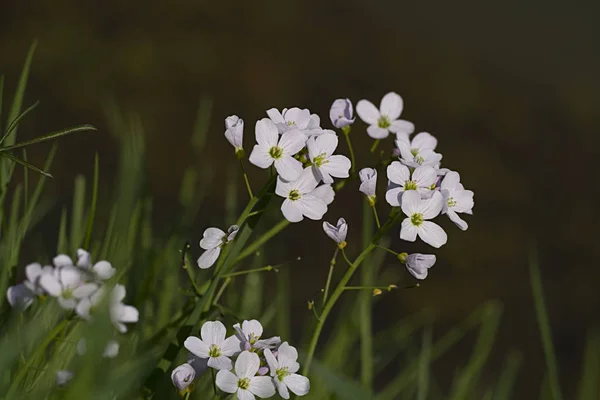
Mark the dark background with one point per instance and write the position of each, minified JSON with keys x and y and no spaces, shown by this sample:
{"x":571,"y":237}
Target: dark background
{"x":510,"y":88}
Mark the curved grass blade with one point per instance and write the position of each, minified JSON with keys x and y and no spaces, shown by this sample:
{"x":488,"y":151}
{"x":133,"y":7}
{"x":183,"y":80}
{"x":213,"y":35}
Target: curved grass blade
{"x":25,"y":164}
{"x":13,"y":125}
{"x":50,"y":136}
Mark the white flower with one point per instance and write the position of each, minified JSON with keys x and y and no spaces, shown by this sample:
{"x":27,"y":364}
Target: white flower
{"x":63,"y":376}
{"x":111,"y":350}
{"x":214,"y":345}
{"x":295,"y":119}
{"x":212,"y":241}
{"x":341,"y":113}
{"x":320,"y":152}
{"x":419,"y":151}
{"x":368,"y":185}
{"x":20,"y":296}
{"x":66,"y":284}
{"x":417,"y":263}
{"x":336,"y":233}
{"x":422,"y":180}
{"x":183,"y":376}
{"x":102,"y":270}
{"x":234,"y":132}
{"x":299,"y":198}
{"x":456,"y":199}
{"x":272,"y":149}
{"x":417,"y":213}
{"x":33,"y":272}
{"x":249,"y":334}
{"x":384,"y":120}
{"x":244,"y":381}
{"x":283,"y":370}
{"x":121,"y":313}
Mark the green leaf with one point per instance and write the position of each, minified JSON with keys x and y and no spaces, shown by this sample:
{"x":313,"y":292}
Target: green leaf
{"x":25,"y":164}
{"x":13,"y":125}
{"x":50,"y":136}
{"x":90,"y":224}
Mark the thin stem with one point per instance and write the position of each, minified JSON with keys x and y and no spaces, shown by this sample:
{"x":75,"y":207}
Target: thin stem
{"x":249,"y":271}
{"x":375,"y":144}
{"x":331,"y":267}
{"x":388,"y":287}
{"x":187,"y":395}
{"x":214,"y":382}
{"x":221,"y":290}
{"x":186,"y":265}
{"x":365,"y":301}
{"x":376,"y":216}
{"x":386,"y":249}
{"x":346,"y":258}
{"x":251,"y":249}
{"x":248,"y":188}
{"x":350,"y":149}
{"x":314,"y":310}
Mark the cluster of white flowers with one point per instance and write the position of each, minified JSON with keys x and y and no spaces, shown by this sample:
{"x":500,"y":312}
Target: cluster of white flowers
{"x":261,"y":366}
{"x":78,"y":286}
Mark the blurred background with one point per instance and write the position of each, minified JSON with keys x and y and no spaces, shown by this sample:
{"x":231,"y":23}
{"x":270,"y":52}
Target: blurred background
{"x":510,"y":88}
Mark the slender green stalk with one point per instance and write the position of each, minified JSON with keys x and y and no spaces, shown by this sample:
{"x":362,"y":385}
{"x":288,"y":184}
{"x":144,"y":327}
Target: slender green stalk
{"x":330,"y":274}
{"x":88,"y":234}
{"x":386,"y":249}
{"x":250,"y":271}
{"x":254,"y":246}
{"x":376,"y":216}
{"x":221,"y":290}
{"x":346,"y":258}
{"x":364,"y":304}
{"x":350,"y":149}
{"x":248,"y":188}
{"x":374,"y":147}
{"x":388,"y":287}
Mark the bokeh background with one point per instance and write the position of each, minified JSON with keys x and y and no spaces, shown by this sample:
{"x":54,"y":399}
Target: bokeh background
{"x":509,"y":87}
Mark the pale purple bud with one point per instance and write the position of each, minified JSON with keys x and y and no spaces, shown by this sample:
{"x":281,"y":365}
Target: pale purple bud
{"x":183,"y":376}
{"x":341,"y":113}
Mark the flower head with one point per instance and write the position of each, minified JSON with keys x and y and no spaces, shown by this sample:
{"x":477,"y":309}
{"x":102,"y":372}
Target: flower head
{"x":417,"y":263}
{"x":20,"y":296}
{"x":249,"y":334}
{"x":341,"y":113}
{"x":280,"y":151}
{"x":300,"y":197}
{"x":283,"y":370}
{"x":327,"y":165}
{"x":234,"y":133}
{"x":244,"y":381}
{"x":296,"y":119}
{"x":422,"y":180}
{"x":183,"y":376}
{"x":66,"y":284}
{"x":212,"y":241}
{"x":213,"y":345}
{"x":419,"y":151}
{"x":337,"y":233}
{"x":418,"y":212}
{"x":368,"y":185}
{"x":456,"y":199}
{"x":384,"y":120}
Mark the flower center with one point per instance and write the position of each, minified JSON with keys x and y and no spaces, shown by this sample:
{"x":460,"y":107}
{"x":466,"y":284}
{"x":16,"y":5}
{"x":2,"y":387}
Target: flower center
{"x":67,"y":294}
{"x":414,"y":152}
{"x":384,"y":122}
{"x":214,"y":351}
{"x":410,"y":185}
{"x":320,"y":159}
{"x":451,"y":202}
{"x":282,"y":373}
{"x":290,"y":123}
{"x":294,"y":195}
{"x":276,"y":152}
{"x":253,"y":338}
{"x":419,"y":160}
{"x":244,"y":383}
{"x":416,"y":219}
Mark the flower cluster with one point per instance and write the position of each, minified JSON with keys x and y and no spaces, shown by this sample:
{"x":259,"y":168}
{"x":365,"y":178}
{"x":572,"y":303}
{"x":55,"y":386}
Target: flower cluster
{"x":261,"y":366}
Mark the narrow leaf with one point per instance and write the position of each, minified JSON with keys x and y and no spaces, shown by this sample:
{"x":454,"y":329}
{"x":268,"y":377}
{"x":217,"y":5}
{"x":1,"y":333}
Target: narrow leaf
{"x":50,"y":136}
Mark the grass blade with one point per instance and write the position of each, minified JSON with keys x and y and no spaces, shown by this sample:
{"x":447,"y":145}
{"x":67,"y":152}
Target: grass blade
{"x":50,"y":136}
{"x":11,"y":128}
{"x":589,"y":385}
{"x":90,"y":224}
{"x":25,"y":164}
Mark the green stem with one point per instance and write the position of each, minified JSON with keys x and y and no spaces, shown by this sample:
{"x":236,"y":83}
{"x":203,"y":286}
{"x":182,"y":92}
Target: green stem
{"x":186,"y":265}
{"x":364,"y":304}
{"x":221,"y":290}
{"x":376,"y":216}
{"x":251,"y":249}
{"x":248,"y":188}
{"x":331,"y":267}
{"x":88,"y":234}
{"x":346,"y":258}
{"x":386,"y":249}
{"x":375,"y":144}
{"x":350,"y":149}
{"x":249,"y":271}
{"x":388,"y":287}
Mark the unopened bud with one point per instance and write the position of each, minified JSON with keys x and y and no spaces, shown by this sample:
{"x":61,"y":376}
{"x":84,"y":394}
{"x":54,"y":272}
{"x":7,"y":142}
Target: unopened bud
{"x":376,"y":292}
{"x":239,"y":153}
{"x":372,"y":200}
{"x":402,"y":257}
{"x":342,"y":245}
{"x":390,"y":287}
{"x":311,"y":304}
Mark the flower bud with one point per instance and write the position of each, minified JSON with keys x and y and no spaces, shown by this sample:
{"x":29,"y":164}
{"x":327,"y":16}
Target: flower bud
{"x":183,"y":376}
{"x":341,"y":113}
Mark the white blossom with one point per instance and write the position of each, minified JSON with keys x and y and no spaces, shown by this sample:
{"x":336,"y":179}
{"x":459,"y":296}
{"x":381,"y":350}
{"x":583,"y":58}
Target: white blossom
{"x":244,"y":382}
{"x":300,"y":199}
{"x":66,"y":284}
{"x":341,"y":113}
{"x":283,"y":370}
{"x":418,"y":212}
{"x":249,"y":333}
{"x":336,"y":233}
{"x":20,"y":296}
{"x":327,"y":165}
{"x":400,"y":178}
{"x":272,"y":149}
{"x":214,"y":345}
{"x":384,"y":120}
{"x":419,"y":151}
{"x":63,"y":377}
{"x":296,"y":119}
{"x":368,"y":185}
{"x":183,"y":376}
{"x":212,"y":241}
{"x":417,"y":263}
{"x":121,"y":313}
{"x":102,"y":270}
{"x":234,"y":132}
{"x":456,"y":199}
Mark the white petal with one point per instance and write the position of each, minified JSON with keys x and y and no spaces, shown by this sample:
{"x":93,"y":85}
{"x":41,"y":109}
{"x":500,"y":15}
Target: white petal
{"x":376,"y":132}
{"x":104,"y":270}
{"x":325,"y":193}
{"x":297,"y":117}
{"x":337,"y":166}
{"x":283,"y":187}
{"x":282,"y":389}
{"x":312,"y":206}
{"x":232,"y":232}
{"x":221,"y":362}
{"x":307,"y":181}
{"x":275,"y":116}
{"x":327,"y":143}
{"x":247,"y":364}
{"x":408,"y":231}
{"x":118,"y":293}
{"x":262,"y":386}
{"x":404,"y":148}
{"x":252,"y":327}
{"x":431,"y":208}
{"x":197,"y":346}
{"x":271,"y":361}
{"x":51,"y":285}
{"x":230,"y":346}
{"x":208,"y":258}
{"x":227,"y":381}
{"x":394,"y":195}
{"x":266,"y":133}
{"x":70,"y":277}
{"x":401,"y":126}
{"x":418,"y":264}
{"x":451,"y":180}
{"x":411,"y":202}
{"x":111,"y":350}
{"x":432,"y":234}
{"x":424,"y":176}
{"x":83,"y":308}
{"x":298,"y":384}
{"x":464,"y":201}
{"x":84,"y":259}
{"x":183,"y":376}
{"x":457,"y":220}
{"x":33,"y":271}
{"x":212,"y":238}
{"x":19,"y":296}
{"x":398,"y":173}
{"x":291,"y":211}
{"x":288,"y":167}
{"x":213,"y":332}
{"x":332,"y":232}
{"x":85,"y":290}
{"x":260,"y":156}
{"x":367,"y":112}
{"x":292,"y":142}
{"x":287,"y":355}
{"x":63,"y":376}
{"x":424,"y":141}
{"x":244,"y":395}
{"x":129,"y":314}
{"x":368,"y":178}
{"x":391,"y":106}
{"x":62,"y":260}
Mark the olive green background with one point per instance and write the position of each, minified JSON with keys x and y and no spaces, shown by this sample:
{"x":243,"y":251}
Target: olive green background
{"x":510,"y":88}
